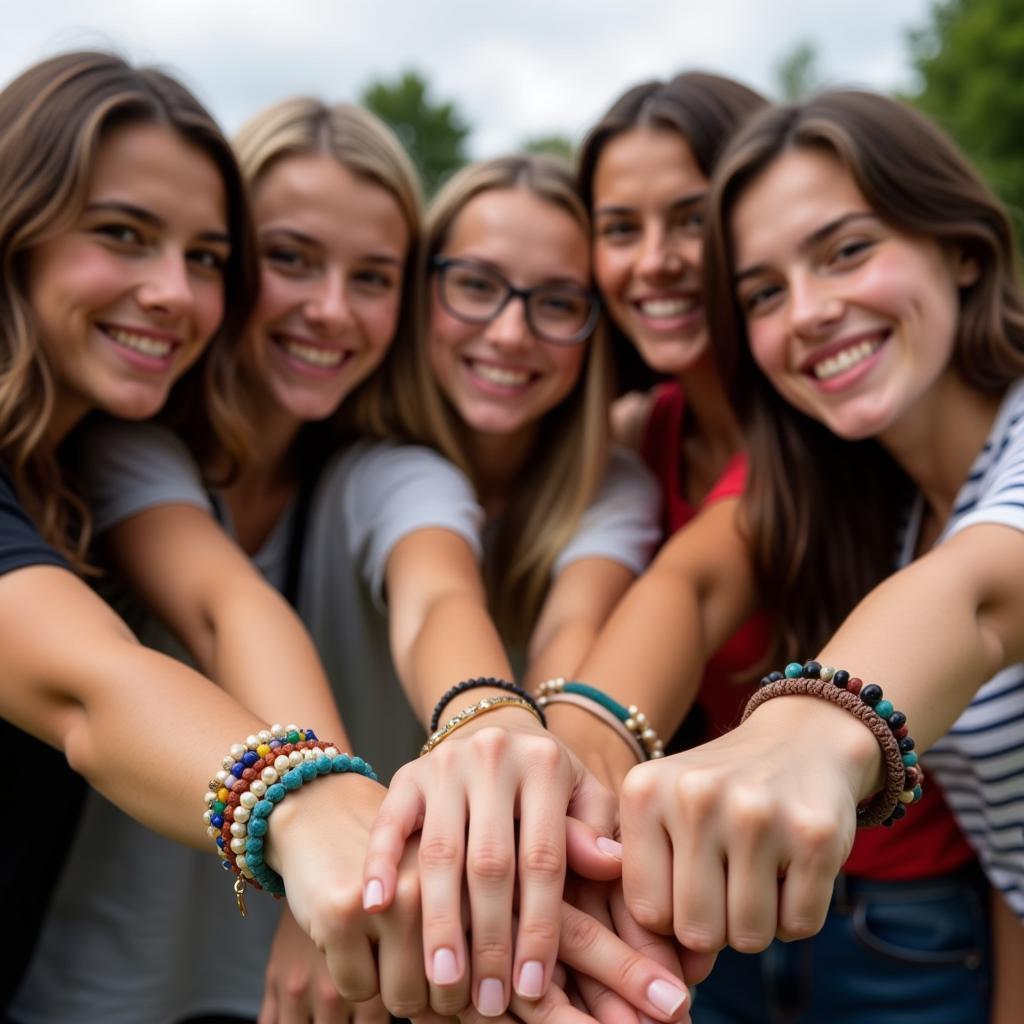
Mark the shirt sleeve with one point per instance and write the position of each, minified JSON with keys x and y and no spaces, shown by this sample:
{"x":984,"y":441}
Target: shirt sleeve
{"x":21,"y":544}
{"x":732,"y":481}
{"x":391,"y":491}
{"x":130,"y":467}
{"x":621,"y":523}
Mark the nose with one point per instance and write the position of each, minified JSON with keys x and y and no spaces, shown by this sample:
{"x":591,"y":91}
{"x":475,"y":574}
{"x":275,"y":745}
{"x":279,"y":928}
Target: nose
{"x":660,"y":257}
{"x":167,"y":286}
{"x":813,"y":306}
{"x":509,"y":328}
{"x":328,"y":308}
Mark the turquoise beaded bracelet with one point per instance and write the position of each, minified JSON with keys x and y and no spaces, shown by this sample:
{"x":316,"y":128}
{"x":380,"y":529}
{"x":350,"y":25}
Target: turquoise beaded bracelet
{"x":631,"y":717}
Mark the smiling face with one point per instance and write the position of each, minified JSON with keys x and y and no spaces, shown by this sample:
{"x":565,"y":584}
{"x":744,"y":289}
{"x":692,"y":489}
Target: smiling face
{"x":500,"y":377}
{"x":648,"y":217}
{"x":852,"y":321}
{"x":333,"y":250}
{"x":127,"y":297}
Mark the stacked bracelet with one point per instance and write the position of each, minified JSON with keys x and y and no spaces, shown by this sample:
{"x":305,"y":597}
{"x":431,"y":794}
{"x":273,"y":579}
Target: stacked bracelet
{"x":475,"y":684}
{"x":634,"y":721}
{"x":903,"y":776}
{"x":466,"y":715}
{"x":254,"y":778}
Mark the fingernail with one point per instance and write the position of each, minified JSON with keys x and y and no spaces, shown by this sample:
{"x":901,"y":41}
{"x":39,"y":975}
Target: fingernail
{"x":446,"y":967}
{"x":609,"y":846}
{"x":531,"y":980}
{"x":665,"y":996}
{"x":373,"y":894}
{"x":490,"y":999}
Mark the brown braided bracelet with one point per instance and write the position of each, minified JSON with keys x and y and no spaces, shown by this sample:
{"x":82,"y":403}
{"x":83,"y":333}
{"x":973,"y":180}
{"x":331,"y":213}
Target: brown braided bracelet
{"x":882,"y":809}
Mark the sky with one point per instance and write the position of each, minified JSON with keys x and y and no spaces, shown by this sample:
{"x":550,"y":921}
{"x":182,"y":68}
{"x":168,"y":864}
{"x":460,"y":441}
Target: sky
{"x":514,"y":70}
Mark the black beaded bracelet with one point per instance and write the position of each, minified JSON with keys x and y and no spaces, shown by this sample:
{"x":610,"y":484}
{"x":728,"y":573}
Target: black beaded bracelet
{"x":475,"y":684}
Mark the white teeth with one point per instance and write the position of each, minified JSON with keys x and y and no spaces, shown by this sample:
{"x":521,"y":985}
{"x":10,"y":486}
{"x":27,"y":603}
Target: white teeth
{"x":139,"y":342}
{"x":312,"y":355}
{"x":500,"y":375}
{"x":843,"y":360}
{"x":668,"y":307}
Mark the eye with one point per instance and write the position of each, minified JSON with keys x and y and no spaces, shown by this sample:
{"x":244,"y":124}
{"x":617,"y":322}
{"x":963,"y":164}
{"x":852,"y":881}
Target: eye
{"x":375,"y":281}
{"x":123,"y":234}
{"x":473,"y":283}
{"x":208,"y":259}
{"x":287,"y":259}
{"x":617,"y":230}
{"x":848,"y":251}
{"x":560,"y":304}
{"x":759,"y":298}
{"x":689,"y":220}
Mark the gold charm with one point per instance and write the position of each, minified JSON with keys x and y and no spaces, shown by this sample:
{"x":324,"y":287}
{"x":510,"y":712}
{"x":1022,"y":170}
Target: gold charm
{"x":240,"y":894}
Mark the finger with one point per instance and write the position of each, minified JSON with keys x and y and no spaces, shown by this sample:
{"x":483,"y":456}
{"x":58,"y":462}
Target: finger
{"x":268,"y":1007}
{"x":806,"y":890}
{"x":590,"y":853}
{"x":595,"y":951}
{"x":329,"y":1006}
{"x":541,"y":872}
{"x":647,"y":850}
{"x":352,"y":965}
{"x":752,"y":885}
{"x":372,"y":1012}
{"x":441,"y":860}
{"x":553,"y":1007}
{"x":490,"y":871}
{"x":659,"y":948}
{"x":403,"y":985}
{"x":594,"y":804}
{"x":399,"y":816}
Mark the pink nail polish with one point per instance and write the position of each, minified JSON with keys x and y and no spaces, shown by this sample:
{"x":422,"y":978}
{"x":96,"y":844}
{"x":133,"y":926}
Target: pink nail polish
{"x":490,"y":999}
{"x":445,"y":968}
{"x":373,"y":894}
{"x":531,"y":980}
{"x":665,"y":996}
{"x":609,"y":846}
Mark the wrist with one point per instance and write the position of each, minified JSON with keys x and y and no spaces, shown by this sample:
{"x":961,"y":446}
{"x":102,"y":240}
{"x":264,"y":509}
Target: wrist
{"x":602,"y":751}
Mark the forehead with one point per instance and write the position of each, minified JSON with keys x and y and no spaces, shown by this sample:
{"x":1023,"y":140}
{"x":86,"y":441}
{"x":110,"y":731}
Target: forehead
{"x":150,"y":165}
{"x":318,"y":196}
{"x":643,"y":164}
{"x":527,"y":236}
{"x":799,"y":192}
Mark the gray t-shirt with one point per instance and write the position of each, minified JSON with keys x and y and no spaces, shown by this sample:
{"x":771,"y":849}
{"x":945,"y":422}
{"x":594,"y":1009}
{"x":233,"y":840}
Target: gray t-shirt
{"x":145,"y":930}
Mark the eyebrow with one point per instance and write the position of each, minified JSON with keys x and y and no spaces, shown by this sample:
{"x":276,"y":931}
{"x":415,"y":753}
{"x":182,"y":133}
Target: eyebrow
{"x":677,"y":204}
{"x":548,"y":282}
{"x":817,"y":236}
{"x":314,"y":243}
{"x":148,"y":217}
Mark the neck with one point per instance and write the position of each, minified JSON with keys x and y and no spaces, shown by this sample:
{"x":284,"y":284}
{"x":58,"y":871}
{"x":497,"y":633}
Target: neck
{"x":711,"y":423}
{"x":937,"y":441}
{"x":496,"y":460}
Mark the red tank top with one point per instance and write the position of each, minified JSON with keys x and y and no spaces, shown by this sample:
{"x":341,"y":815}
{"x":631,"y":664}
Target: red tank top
{"x":928,"y":842}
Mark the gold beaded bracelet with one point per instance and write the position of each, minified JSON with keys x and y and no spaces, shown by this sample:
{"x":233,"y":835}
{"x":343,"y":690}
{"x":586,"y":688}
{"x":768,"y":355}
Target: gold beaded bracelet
{"x":467,"y":715}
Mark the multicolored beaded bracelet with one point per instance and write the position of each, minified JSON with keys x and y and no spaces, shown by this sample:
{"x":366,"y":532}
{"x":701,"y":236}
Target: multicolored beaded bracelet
{"x":479,"y":683}
{"x":903,"y":775}
{"x":631,"y":717}
{"x":466,"y":715}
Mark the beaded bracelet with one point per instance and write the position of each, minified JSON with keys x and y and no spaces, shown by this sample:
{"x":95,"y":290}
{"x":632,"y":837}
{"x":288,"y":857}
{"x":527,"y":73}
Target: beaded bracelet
{"x":466,"y":715}
{"x":599,"y":711}
{"x":474,"y":684}
{"x":903,"y":776}
{"x":632,"y":717}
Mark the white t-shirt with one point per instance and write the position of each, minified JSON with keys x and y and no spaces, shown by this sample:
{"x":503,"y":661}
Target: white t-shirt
{"x":980,"y":762}
{"x":145,"y":930}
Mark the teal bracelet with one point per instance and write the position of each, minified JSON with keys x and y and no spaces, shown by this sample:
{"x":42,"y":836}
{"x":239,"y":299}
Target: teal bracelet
{"x":631,"y":717}
{"x":264,"y":875}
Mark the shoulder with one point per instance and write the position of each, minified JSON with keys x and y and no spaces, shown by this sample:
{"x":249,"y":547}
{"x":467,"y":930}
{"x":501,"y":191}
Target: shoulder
{"x":21,"y":544}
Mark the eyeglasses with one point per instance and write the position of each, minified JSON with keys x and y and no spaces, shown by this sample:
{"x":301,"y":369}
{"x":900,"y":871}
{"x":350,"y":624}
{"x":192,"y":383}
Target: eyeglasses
{"x":563,"y":314}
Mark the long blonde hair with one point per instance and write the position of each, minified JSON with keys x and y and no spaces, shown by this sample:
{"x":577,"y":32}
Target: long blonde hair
{"x":364,"y":145}
{"x":564,"y":472}
{"x":53,"y":118}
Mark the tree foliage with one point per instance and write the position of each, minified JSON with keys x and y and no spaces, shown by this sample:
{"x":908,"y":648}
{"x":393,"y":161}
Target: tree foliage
{"x":555,"y":143}
{"x":797,"y":73}
{"x":970,"y":60}
{"x":434,"y":133}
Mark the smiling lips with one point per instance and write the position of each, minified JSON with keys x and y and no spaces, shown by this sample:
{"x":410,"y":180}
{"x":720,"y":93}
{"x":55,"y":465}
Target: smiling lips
{"x":312,"y":355}
{"x":666,"y":308}
{"x":502,"y":376}
{"x":153,"y":345}
{"x":846,"y":358}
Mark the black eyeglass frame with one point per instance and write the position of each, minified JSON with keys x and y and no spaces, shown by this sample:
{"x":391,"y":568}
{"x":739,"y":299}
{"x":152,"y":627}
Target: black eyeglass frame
{"x":440,"y":264}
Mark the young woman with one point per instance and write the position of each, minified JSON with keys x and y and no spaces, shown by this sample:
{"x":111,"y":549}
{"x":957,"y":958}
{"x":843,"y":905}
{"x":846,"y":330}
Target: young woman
{"x":862,"y":282}
{"x":336,"y":205}
{"x":126,"y":247}
{"x":512,"y":385}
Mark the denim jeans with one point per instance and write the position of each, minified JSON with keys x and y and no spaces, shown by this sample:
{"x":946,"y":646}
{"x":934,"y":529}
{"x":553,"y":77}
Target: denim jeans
{"x":889,"y":953}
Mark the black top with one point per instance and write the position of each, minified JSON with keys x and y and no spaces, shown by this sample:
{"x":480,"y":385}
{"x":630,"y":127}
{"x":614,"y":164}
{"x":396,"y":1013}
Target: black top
{"x":31,"y":861}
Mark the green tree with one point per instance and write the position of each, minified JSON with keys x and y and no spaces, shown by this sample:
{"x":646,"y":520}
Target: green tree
{"x":555,"y":143}
{"x":434,"y":133}
{"x":970,"y":60}
{"x":797,"y":74}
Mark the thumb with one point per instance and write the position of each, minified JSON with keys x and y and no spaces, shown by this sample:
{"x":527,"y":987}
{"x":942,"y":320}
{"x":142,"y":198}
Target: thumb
{"x":592,"y":853}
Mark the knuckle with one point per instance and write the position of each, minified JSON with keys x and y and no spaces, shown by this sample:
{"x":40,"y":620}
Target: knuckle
{"x":753,"y":941}
{"x":438,"y":853}
{"x":328,"y":996}
{"x":296,"y":984}
{"x":579,"y":932}
{"x":490,"y":746}
{"x":699,"y":939}
{"x":545,"y":754}
{"x":492,"y":950}
{"x":406,"y":1005}
{"x":338,"y":911}
{"x":491,"y":862}
{"x":407,"y":893}
{"x":628,"y":970}
{"x":697,"y":793}
{"x":543,"y":860}
{"x":639,"y":789}
{"x":542,"y":931}
{"x":748,"y":807}
{"x":799,"y":927}
{"x":817,"y":837}
{"x":654,"y":917}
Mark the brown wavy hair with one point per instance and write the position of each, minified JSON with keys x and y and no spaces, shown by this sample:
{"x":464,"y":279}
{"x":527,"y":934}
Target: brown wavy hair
{"x":825,"y":513}
{"x":705,"y":109}
{"x":564,"y":472}
{"x":53,"y":118}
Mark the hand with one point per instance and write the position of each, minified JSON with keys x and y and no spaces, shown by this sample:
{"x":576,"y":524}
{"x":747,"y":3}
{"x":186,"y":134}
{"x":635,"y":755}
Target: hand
{"x":604,"y":754}
{"x":740,"y":840}
{"x":299,"y":988}
{"x":497,"y":768}
{"x":318,"y":839}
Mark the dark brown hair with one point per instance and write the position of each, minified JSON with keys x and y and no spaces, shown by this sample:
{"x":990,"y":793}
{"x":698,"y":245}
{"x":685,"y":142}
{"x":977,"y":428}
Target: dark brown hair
{"x":706,"y":110}
{"x":53,"y":118}
{"x":825,"y":513}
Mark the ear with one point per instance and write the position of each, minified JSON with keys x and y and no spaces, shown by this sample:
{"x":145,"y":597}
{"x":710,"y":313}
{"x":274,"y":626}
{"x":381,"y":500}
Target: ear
{"x":965,"y":267}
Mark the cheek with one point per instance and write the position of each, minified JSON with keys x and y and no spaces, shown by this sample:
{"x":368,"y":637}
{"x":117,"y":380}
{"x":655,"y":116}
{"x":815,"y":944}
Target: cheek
{"x":278,"y":297}
{"x":611,"y":270}
{"x":209,"y":307}
{"x":767,"y":346}
{"x":380,"y":318}
{"x":568,"y":364}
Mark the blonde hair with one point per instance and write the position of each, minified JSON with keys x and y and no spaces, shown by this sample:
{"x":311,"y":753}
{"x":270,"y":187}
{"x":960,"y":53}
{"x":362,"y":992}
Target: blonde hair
{"x":364,"y":145}
{"x":564,"y":472}
{"x":53,"y":118}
